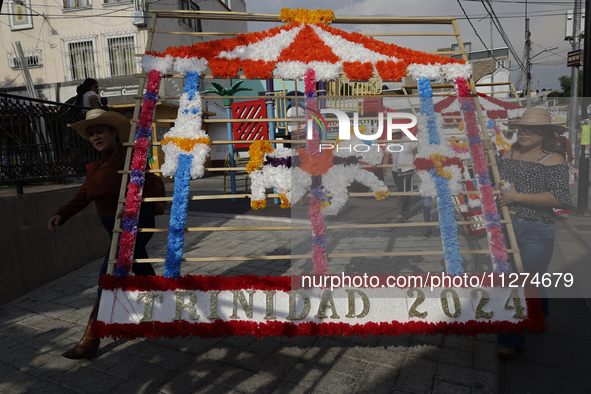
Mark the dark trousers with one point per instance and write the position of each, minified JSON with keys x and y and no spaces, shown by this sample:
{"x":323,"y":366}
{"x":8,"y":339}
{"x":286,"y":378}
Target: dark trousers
{"x":403,"y":182}
{"x":146,"y":219}
{"x":535,"y":239}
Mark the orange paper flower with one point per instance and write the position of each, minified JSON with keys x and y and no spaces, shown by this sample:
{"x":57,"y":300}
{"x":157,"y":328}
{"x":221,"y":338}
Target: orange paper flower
{"x":186,"y":144}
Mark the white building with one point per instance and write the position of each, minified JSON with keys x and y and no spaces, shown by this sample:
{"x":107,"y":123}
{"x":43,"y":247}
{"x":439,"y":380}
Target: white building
{"x":78,"y":39}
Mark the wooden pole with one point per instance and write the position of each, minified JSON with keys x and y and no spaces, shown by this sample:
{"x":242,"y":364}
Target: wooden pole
{"x":492,"y":159}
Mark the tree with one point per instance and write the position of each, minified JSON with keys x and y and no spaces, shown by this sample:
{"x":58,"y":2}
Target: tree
{"x":565,"y":85}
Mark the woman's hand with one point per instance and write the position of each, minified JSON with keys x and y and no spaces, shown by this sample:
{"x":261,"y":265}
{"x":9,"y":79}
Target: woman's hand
{"x":486,"y":145}
{"x":54,"y":221}
{"x":509,"y":197}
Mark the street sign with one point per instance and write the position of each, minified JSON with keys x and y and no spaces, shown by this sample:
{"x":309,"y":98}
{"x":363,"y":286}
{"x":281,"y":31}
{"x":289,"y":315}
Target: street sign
{"x":574,"y":58}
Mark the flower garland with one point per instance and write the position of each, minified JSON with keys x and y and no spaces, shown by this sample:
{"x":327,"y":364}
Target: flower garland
{"x":289,"y":15}
{"x":436,"y":166}
{"x":489,"y":207}
{"x":137,"y":177}
{"x":318,"y":200}
{"x":186,"y":148}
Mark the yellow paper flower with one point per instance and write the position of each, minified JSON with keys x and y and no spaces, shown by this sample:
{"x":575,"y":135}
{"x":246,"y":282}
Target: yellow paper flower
{"x":501,"y":143}
{"x":438,"y":165}
{"x":382,"y":195}
{"x":258,"y":204}
{"x":301,"y":15}
{"x":284,"y":202}
{"x":257,"y":154}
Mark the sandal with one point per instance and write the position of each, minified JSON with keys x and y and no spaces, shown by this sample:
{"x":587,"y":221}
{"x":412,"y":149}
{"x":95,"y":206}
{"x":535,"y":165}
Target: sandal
{"x":403,"y":212}
{"x":506,"y":352}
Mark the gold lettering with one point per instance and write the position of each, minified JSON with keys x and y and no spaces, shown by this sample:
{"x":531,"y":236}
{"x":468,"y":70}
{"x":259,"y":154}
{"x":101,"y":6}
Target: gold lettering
{"x":246,"y":307}
{"x":180,"y":305}
{"x":351,"y":299}
{"x":292,"y":305}
{"x":326,"y":302}
{"x":148,"y":304}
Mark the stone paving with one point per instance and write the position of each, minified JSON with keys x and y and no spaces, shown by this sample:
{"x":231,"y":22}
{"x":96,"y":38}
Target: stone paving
{"x":36,"y":328}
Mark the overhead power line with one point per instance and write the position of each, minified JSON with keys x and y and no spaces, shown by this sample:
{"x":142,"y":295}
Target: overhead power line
{"x":501,"y":31}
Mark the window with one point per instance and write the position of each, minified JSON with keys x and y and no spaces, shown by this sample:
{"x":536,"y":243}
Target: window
{"x":500,"y":64}
{"x":20,"y":17}
{"x":193,"y":24}
{"x":76,"y":3}
{"x":32,"y":56}
{"x":116,"y":1}
{"x":120,"y":57}
{"x":81,"y":61}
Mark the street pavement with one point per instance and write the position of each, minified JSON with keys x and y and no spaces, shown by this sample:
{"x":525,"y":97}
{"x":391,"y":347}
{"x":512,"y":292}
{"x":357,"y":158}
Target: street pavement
{"x":37,"y":327}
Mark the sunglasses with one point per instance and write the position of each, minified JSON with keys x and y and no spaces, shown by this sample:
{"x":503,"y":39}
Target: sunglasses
{"x":529,"y":132}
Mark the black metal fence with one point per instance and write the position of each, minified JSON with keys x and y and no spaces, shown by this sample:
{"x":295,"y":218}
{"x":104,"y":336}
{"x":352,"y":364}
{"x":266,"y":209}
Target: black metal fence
{"x":36,"y":144}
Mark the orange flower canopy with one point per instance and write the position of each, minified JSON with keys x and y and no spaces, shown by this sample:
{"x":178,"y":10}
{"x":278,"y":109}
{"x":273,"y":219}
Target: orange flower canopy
{"x":291,"y":49}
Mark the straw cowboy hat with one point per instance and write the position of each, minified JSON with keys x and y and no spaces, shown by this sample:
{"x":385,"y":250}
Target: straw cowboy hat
{"x":98,"y":116}
{"x":536,"y":117}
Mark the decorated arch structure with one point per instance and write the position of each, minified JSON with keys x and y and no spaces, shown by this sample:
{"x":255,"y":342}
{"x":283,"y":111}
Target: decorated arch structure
{"x":307,"y":48}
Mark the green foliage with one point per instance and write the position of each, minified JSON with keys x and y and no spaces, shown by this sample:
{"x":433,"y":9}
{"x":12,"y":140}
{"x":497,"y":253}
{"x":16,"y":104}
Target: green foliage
{"x":231,"y":91}
{"x":565,"y":85}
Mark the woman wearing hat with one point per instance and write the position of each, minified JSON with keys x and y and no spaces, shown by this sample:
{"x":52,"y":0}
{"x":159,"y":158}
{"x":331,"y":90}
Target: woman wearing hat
{"x":105,"y":131}
{"x":539,"y":183}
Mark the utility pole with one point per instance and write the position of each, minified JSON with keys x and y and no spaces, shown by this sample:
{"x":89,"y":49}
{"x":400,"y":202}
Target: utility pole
{"x":574,"y":79}
{"x":527,"y":62}
{"x":492,"y":60}
{"x":583,"y":192}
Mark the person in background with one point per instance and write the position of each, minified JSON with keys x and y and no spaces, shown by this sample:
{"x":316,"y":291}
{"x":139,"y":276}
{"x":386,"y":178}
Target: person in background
{"x":87,"y":94}
{"x":427,"y":217}
{"x":402,"y":175}
{"x":564,"y":148}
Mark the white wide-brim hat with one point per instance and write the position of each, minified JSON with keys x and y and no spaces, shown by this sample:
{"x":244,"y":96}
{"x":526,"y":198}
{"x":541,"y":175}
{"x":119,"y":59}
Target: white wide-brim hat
{"x":98,"y":116}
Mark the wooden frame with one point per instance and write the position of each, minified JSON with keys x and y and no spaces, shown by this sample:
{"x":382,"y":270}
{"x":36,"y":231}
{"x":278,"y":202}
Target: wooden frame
{"x":243,"y":16}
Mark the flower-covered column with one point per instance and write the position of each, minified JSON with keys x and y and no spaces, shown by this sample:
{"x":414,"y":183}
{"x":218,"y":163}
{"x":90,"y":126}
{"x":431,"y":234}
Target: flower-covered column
{"x":318,"y":200}
{"x":186,"y":147}
{"x":133,"y":199}
{"x":439,"y":172}
{"x":489,"y":207}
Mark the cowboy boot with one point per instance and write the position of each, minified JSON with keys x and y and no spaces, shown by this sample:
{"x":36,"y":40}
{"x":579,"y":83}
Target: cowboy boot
{"x":87,"y":345}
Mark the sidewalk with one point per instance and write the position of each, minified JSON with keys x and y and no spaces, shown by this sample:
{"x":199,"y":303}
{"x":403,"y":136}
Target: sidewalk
{"x":36,"y":328}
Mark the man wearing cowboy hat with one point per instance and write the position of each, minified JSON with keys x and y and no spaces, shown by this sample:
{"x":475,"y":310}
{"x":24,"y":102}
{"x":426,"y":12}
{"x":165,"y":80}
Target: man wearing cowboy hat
{"x":106,"y":130}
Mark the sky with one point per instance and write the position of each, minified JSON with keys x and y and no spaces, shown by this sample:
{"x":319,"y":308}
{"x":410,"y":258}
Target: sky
{"x":547,"y":26}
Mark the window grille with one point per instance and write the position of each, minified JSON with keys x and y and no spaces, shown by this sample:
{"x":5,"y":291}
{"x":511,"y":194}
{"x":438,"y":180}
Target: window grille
{"x":32,"y":56}
{"x":120,"y":55}
{"x":76,"y":3}
{"x":81,"y":59}
{"x":116,"y":1}
{"x":193,"y":24}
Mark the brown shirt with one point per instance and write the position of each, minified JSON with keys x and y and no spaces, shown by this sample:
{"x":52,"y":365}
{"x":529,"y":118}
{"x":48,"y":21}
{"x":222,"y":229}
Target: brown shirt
{"x":102,"y":186}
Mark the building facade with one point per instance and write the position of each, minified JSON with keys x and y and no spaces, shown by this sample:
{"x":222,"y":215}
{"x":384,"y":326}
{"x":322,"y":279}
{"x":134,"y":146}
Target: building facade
{"x":65,"y":44}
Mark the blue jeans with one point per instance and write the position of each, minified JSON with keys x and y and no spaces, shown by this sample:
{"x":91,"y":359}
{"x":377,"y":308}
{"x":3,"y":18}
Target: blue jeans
{"x":403,"y":182}
{"x":146,"y":219}
{"x":535,"y":239}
